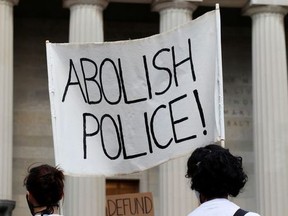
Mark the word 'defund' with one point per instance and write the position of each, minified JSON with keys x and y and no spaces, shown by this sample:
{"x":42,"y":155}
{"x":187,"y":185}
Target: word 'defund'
{"x":138,"y":204}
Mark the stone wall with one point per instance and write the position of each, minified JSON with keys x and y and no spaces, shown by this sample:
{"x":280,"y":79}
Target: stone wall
{"x":32,"y":132}
{"x":32,"y":122}
{"x":237,"y":75}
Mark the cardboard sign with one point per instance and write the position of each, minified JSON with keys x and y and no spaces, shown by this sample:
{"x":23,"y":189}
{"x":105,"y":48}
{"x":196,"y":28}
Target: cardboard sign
{"x":123,"y":107}
{"x":137,"y":204}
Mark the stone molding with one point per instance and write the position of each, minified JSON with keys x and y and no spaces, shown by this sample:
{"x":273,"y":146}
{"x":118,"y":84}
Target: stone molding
{"x":256,"y":9}
{"x":158,"y":5}
{"x":101,"y":3}
{"x":11,"y":2}
{"x":269,"y":2}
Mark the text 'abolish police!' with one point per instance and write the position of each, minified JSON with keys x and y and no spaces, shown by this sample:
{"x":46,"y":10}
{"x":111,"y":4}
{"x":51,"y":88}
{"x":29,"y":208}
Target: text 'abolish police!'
{"x":84,"y":81}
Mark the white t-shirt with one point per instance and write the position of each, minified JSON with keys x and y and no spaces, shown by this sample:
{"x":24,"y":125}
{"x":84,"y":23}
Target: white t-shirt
{"x":218,"y":207}
{"x":49,"y":215}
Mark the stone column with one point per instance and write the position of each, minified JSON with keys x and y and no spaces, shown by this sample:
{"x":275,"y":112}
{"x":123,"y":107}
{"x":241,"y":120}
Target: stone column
{"x":6,"y":105}
{"x":175,"y":196}
{"x":173,"y":13}
{"x":85,"y":195}
{"x":86,"y":20}
{"x":270,"y":108}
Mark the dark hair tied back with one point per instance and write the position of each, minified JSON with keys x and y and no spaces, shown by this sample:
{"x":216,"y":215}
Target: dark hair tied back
{"x":46,"y":184}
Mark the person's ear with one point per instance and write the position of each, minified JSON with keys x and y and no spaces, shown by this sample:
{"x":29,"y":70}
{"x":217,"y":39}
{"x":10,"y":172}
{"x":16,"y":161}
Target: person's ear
{"x":31,"y":198}
{"x":28,"y":195}
{"x":202,"y":198}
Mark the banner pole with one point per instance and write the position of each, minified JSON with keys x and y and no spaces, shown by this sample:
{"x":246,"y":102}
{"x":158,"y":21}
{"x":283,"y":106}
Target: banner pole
{"x":220,"y":77}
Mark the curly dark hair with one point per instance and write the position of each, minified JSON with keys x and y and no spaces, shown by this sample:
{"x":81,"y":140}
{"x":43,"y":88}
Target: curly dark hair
{"x":46,"y":184}
{"x":215,"y":172}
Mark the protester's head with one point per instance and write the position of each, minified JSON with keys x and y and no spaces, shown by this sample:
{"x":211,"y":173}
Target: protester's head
{"x":45,"y":188}
{"x":215,"y":172}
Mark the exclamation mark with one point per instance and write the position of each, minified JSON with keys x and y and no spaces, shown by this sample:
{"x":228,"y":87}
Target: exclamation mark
{"x":200,"y":111}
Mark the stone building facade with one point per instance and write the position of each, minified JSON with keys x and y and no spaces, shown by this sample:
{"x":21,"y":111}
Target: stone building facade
{"x":255,"y":96}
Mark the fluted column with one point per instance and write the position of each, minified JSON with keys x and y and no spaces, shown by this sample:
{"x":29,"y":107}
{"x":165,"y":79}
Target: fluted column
{"x":6,"y":103}
{"x":86,"y":20}
{"x":175,"y":197}
{"x":85,"y":195}
{"x":270,"y":108}
{"x":173,"y":13}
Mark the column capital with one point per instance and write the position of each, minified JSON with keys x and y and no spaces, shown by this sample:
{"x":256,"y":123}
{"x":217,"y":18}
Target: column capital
{"x":268,"y":2}
{"x":253,"y":9}
{"x":158,"y":5}
{"x":12,"y":2}
{"x":69,"y":3}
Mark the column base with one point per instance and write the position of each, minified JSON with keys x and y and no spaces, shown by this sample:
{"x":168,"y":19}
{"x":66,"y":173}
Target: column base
{"x":6,"y":207}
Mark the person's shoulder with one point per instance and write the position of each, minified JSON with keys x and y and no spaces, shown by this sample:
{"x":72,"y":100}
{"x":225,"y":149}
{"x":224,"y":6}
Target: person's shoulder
{"x":252,"y":214}
{"x":191,"y":213}
{"x":48,"y":215}
{"x":196,"y":212}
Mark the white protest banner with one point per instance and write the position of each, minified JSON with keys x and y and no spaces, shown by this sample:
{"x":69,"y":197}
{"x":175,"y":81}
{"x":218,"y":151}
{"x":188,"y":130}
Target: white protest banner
{"x":122,"y":107}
